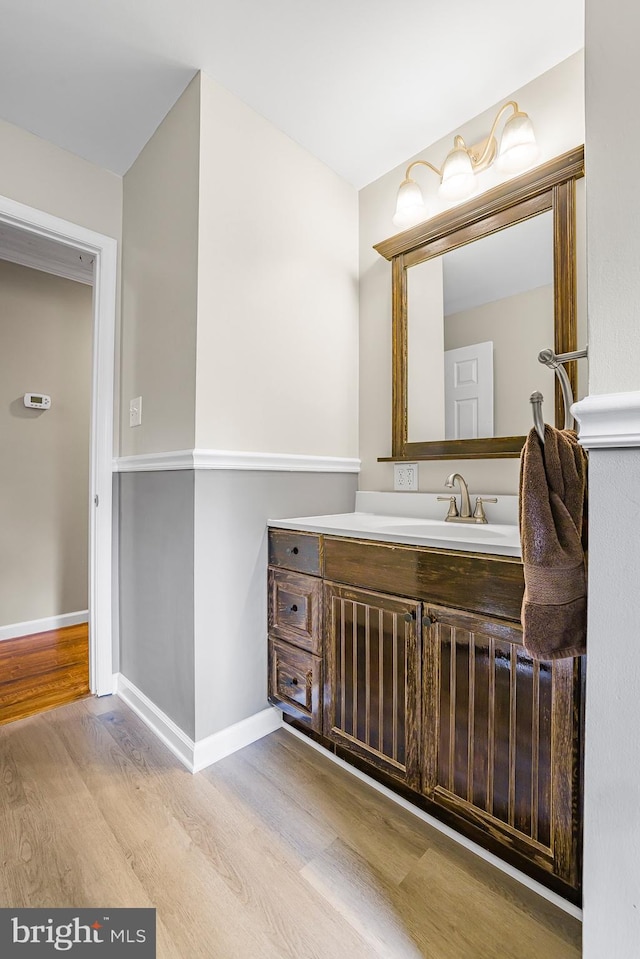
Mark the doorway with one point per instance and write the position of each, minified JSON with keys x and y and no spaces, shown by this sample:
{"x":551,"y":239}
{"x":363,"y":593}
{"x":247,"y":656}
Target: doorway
{"x":46,"y":241}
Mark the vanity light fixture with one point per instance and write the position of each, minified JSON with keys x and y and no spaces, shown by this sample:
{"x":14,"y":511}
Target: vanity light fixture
{"x":517,"y":152}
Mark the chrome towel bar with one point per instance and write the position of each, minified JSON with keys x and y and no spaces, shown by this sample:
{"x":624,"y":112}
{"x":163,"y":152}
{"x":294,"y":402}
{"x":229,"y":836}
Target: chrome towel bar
{"x":555,"y":362}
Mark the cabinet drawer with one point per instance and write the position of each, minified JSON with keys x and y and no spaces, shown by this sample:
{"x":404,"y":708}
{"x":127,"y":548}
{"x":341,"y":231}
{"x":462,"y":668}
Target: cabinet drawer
{"x":485,"y":584}
{"x":297,"y":551}
{"x":294,"y":682}
{"x":295,"y":609}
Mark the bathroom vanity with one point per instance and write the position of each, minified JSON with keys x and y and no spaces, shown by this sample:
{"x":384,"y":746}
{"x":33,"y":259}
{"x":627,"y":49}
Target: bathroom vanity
{"x":396,"y":643}
{"x":394,"y":636}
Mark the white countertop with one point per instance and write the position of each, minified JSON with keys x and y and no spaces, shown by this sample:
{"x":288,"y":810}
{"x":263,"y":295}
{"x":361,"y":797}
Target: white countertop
{"x":417,"y":519}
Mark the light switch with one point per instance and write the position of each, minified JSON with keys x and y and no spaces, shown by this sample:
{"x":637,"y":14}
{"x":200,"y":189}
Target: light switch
{"x":135,"y":411}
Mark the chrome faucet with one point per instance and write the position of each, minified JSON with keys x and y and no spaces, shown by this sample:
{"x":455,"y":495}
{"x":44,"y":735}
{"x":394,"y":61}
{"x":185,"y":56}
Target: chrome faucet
{"x":464,"y":515}
{"x":465,"y":505}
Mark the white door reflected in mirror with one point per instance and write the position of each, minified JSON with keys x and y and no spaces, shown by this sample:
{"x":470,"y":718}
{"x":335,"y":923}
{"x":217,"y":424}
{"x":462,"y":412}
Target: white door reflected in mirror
{"x":468,"y":392}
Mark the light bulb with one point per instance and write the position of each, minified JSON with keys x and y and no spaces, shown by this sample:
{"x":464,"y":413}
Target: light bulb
{"x":518,"y":147}
{"x":458,"y":178}
{"x":410,"y":205}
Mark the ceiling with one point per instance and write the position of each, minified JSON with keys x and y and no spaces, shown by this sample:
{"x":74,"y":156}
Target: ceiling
{"x":362,"y":84}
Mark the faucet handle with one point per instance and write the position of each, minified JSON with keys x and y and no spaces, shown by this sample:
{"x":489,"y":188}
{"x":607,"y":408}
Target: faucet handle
{"x":479,"y":513}
{"x":453,"y":506}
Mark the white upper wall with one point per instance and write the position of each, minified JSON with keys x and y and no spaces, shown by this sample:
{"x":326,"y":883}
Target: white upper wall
{"x":43,"y":176}
{"x":612,"y":207}
{"x":159,"y":283}
{"x":277,"y":291}
{"x":555,"y":102}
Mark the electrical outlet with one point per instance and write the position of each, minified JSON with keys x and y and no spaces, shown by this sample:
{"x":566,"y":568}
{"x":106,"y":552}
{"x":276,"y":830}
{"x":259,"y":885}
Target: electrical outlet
{"x":135,"y":411}
{"x":405,"y":477}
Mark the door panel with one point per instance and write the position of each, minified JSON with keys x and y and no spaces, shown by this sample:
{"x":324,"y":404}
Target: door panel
{"x":468,"y":392}
{"x":372,"y":689}
{"x":501,"y":735}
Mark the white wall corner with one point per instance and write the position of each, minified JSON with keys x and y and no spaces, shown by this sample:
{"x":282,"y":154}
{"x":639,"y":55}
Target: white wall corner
{"x":196,"y":755}
{"x":610,"y":420}
{"x":218,"y":745}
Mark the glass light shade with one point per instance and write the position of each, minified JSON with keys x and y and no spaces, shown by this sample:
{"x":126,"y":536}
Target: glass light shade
{"x":458,"y":178}
{"x":410,"y":205}
{"x":518,"y":147}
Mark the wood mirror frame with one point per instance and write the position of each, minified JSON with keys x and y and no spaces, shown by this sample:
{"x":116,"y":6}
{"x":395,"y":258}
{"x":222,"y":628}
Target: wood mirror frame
{"x":550,"y":186}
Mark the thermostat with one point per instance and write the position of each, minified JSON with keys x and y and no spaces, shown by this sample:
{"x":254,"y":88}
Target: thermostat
{"x":37,"y":401}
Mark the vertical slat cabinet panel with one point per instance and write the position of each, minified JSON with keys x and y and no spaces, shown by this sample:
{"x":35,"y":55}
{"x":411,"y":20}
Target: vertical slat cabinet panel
{"x":372,"y":690}
{"x":501,"y":736}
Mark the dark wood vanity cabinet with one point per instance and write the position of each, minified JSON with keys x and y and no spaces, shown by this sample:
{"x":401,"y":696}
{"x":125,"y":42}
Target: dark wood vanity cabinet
{"x":409,"y":662}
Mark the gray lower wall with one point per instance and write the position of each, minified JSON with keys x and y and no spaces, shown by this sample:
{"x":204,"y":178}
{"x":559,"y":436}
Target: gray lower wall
{"x":231,"y":510}
{"x":611,"y":881}
{"x":193,"y":584}
{"x":115,"y":573}
{"x":156,"y":552}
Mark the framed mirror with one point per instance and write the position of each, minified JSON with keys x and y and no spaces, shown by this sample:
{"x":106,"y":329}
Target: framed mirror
{"x":477,"y":292}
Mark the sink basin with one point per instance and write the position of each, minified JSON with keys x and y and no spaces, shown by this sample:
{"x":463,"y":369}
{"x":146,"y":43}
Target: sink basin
{"x":501,"y":538}
{"x":463,"y":531}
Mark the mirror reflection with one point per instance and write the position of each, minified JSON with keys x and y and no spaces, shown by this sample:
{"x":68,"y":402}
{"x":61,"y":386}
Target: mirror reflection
{"x":477,"y":318}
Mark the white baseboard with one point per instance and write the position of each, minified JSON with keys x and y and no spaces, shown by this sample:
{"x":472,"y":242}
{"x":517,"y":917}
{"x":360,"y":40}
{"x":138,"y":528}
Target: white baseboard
{"x":218,"y":745}
{"x":196,"y":755}
{"x":158,"y":722}
{"x":520,"y":877}
{"x":28,"y":628}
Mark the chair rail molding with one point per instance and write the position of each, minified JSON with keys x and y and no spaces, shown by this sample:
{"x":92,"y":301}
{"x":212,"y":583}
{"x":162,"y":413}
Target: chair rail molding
{"x":201,"y":459}
{"x":608,"y":420}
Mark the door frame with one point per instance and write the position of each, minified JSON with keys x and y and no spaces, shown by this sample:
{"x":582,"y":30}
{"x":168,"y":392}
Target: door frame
{"x":104,"y":249}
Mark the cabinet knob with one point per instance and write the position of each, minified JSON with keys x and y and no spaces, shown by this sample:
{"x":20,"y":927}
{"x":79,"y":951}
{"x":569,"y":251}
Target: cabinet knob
{"x":292,"y":682}
{"x":429,"y":620}
{"x":294,"y":608}
{"x":410,"y":617}
{"x":292,"y":549}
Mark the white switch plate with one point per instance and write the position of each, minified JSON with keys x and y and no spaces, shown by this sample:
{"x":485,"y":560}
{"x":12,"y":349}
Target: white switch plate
{"x":135,"y":411}
{"x":405,"y":477}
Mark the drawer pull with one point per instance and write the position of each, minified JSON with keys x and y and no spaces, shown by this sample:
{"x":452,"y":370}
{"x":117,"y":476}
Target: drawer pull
{"x":294,"y":608}
{"x":293,"y":549}
{"x":292,"y":682}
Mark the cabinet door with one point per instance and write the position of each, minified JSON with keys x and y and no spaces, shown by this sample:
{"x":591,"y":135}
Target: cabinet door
{"x":501,"y":736}
{"x":372,"y":668}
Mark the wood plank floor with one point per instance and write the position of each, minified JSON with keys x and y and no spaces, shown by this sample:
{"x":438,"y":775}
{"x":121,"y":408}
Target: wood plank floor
{"x":43,"y":670}
{"x":275,"y":852}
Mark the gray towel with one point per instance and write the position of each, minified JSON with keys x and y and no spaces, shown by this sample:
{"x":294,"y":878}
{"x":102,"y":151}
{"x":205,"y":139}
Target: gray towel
{"x":553,"y":488}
